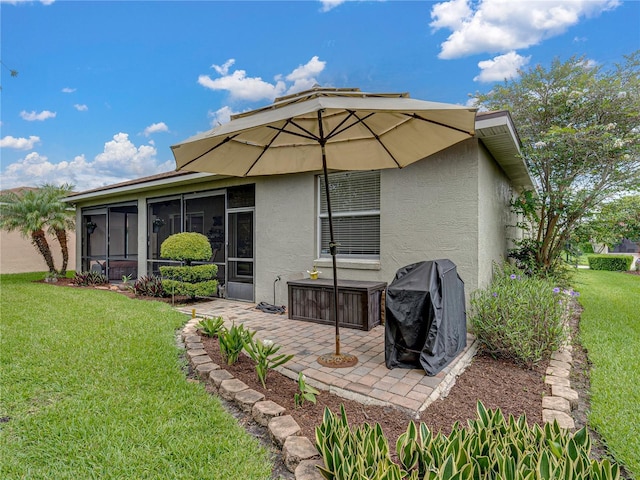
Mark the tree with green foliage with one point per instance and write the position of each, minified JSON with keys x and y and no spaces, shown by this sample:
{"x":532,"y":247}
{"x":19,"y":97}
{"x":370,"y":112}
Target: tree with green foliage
{"x":613,"y":222}
{"x":24,"y":212}
{"x":580,"y":131}
{"x":34,"y":213}
{"x":60,"y":217}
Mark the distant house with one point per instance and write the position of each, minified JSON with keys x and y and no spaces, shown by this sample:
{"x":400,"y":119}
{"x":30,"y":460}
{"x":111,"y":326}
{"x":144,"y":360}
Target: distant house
{"x":267,"y":230}
{"x":18,"y":255}
{"x":626,"y":246}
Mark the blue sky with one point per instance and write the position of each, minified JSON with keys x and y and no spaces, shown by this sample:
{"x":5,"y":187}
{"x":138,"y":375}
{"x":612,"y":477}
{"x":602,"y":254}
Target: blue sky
{"x":104,"y":88}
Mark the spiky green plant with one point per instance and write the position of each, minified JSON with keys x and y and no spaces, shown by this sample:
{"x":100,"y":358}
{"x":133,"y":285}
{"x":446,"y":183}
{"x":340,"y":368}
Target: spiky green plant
{"x":264,"y":354}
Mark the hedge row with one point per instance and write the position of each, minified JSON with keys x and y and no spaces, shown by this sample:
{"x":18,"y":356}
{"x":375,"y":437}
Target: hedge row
{"x":614,"y":263}
{"x":196,"y":273}
{"x":201,"y":289}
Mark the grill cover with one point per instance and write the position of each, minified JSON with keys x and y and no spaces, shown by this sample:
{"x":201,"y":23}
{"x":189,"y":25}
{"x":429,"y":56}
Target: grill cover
{"x":426,"y":322}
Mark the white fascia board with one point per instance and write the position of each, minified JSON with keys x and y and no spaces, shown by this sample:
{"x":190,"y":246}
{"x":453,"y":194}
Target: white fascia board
{"x":142,"y":186}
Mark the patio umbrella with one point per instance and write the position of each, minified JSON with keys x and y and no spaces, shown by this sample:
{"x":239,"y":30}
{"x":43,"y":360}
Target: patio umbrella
{"x":326,"y":129}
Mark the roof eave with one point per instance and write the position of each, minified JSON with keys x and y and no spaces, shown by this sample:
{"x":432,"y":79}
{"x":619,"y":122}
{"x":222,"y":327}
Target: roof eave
{"x":139,"y":185}
{"x":498,"y":134}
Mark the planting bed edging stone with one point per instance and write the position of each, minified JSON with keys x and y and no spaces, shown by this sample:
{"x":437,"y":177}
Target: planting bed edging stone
{"x":299,"y":453}
{"x":563,"y":398}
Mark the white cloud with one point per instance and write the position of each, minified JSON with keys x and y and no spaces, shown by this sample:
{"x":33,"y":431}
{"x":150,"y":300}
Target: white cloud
{"x":120,"y":154}
{"x":242,"y":87}
{"x":155,"y":128}
{"x":220,"y":116}
{"x":68,"y":90}
{"x":303,"y":77}
{"x":33,"y":116}
{"x":81,"y":107}
{"x":224,"y":68}
{"x":450,"y":14}
{"x":19,"y":143}
{"x":501,"y":67}
{"x":330,"y":4}
{"x":119,"y":161}
{"x":497,"y":26}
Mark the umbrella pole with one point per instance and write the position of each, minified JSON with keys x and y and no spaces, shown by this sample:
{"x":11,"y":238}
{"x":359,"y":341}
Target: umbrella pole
{"x":337,"y":359}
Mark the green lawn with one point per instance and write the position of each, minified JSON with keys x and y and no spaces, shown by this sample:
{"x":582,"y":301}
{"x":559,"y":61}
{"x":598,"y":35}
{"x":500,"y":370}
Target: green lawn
{"x":91,"y":386}
{"x":610,"y":331}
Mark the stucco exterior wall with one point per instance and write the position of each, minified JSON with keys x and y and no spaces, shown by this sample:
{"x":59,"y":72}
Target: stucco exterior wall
{"x":285,"y":233}
{"x":428,"y":212}
{"x":495,"y":219}
{"x":18,"y":255}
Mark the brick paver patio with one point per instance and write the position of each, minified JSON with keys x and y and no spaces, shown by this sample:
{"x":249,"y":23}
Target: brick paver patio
{"x":369,"y":382}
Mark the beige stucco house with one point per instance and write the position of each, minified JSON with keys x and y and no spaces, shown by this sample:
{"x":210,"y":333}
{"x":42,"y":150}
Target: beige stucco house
{"x":265,"y":231}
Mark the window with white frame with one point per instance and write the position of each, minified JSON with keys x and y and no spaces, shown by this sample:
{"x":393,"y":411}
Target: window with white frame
{"x":355,"y":205}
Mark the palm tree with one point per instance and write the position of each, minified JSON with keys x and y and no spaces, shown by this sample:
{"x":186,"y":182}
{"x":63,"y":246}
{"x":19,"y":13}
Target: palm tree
{"x":26,"y":213}
{"x":60,"y":218}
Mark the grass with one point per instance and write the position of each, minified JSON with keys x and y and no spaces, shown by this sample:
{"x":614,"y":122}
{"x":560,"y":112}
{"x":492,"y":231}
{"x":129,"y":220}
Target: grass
{"x":91,"y":386}
{"x":610,"y":331}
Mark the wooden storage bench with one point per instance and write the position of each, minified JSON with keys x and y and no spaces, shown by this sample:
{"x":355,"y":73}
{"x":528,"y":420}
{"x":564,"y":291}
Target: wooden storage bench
{"x":359,"y":303}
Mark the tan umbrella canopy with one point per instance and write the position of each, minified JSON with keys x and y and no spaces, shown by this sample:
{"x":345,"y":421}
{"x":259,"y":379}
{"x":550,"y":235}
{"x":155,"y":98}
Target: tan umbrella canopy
{"x":327,"y":129}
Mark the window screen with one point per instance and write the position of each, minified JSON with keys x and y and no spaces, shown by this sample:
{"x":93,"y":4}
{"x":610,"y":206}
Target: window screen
{"x":355,"y":204}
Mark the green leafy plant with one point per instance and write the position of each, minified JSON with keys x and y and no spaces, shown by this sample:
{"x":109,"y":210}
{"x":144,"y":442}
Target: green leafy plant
{"x":491,"y":446}
{"x":127,"y":284}
{"x":186,"y":247}
{"x":264,"y":354}
{"x":613,"y":263}
{"x":192,"y":274}
{"x":347,"y":454}
{"x":86,"y":279}
{"x":149,"y":286}
{"x":190,"y":280}
{"x":200,"y":289}
{"x":211,"y":327}
{"x":232,"y":341}
{"x":305,"y":392}
{"x":519,"y":317}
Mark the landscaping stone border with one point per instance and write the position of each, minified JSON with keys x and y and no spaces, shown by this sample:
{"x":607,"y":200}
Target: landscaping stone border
{"x":299,"y":454}
{"x":563,"y":399}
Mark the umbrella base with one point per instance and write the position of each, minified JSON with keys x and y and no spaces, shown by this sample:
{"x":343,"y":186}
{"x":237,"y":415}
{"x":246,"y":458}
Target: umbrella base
{"x":341,"y":360}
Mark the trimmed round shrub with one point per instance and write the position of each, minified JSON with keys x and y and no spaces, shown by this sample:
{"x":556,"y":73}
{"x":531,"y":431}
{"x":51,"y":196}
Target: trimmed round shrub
{"x":186,"y":247}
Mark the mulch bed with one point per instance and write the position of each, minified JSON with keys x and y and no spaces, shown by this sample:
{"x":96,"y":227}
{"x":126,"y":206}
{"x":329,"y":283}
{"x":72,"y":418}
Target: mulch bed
{"x":497,"y":383}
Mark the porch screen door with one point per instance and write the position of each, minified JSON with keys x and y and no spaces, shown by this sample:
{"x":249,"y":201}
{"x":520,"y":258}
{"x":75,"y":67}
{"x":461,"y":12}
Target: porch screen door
{"x":240,"y":262}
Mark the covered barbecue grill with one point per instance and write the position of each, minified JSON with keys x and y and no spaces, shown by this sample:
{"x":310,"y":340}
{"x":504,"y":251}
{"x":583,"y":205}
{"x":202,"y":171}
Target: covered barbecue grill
{"x":426,"y":324}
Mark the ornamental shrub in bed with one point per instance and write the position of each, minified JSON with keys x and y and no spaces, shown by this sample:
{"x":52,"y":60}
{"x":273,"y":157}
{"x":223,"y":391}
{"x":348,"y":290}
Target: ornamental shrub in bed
{"x":186,"y":247}
{"x":492,"y":446}
{"x":190,"y":274}
{"x":192,"y":281}
{"x":613,"y":263}
{"x":520,"y":318}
